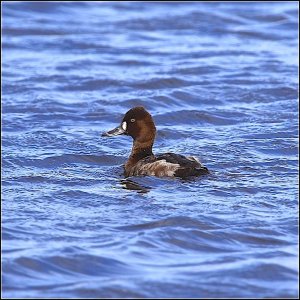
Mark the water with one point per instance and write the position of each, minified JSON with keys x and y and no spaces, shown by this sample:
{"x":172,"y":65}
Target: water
{"x":220,"y":80}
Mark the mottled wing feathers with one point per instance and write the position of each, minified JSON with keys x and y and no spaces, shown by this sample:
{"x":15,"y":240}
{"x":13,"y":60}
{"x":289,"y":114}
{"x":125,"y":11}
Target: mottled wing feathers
{"x":168,"y":164}
{"x":153,"y":167}
{"x":188,"y":165}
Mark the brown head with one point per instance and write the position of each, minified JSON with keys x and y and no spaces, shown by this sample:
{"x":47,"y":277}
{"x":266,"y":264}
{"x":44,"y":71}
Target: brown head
{"x":137,"y":123}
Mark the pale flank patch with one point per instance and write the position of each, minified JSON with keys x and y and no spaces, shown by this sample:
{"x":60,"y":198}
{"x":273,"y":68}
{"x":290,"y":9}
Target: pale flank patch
{"x":124,"y":126}
{"x":157,"y":168}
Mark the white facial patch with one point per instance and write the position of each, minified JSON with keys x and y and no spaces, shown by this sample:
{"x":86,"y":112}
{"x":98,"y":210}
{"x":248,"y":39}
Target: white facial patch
{"x":124,"y":126}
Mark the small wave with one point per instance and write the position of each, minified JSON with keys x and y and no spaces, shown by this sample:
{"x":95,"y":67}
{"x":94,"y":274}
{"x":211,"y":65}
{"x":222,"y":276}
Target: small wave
{"x":201,"y":117}
{"x":73,"y":265}
{"x":32,"y":31}
{"x":92,"y":85}
{"x":162,"y":83}
{"x":65,"y":159}
{"x":180,"y":222}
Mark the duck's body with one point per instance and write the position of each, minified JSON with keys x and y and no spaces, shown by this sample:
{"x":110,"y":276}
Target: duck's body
{"x":139,"y":124}
{"x":167,"y":164}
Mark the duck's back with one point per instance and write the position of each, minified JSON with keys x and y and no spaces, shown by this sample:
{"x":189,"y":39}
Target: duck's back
{"x":188,"y":165}
{"x":168,"y":164}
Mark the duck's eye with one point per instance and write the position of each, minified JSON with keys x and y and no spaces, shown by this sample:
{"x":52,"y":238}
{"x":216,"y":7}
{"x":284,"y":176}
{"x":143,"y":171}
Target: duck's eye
{"x":132,"y":120}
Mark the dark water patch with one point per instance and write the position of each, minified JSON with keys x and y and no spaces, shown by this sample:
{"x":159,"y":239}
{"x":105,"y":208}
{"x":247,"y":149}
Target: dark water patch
{"x":92,"y":85}
{"x":162,"y":83}
{"x":199,"y":70}
{"x":200,"y":117}
{"x":282,"y":93}
{"x":69,"y":266}
{"x":31,"y":31}
{"x":196,"y":98}
{"x":69,"y":159}
{"x":170,"y":222}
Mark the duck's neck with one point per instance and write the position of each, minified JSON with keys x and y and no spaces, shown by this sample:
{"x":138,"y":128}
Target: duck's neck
{"x":140,"y":150}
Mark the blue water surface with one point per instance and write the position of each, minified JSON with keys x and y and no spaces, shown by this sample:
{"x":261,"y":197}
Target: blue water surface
{"x":221,"y":81}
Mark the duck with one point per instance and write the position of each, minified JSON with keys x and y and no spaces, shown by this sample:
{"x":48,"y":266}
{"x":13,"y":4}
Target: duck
{"x":138,"y":123}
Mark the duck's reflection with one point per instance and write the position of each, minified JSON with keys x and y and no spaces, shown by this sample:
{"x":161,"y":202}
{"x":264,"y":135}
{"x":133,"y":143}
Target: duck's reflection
{"x":129,"y":184}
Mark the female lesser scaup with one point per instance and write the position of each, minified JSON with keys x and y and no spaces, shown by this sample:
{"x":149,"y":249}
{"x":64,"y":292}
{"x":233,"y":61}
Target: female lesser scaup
{"x":139,"y":124}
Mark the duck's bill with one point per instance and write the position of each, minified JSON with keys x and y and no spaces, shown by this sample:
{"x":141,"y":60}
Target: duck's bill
{"x":117,"y":131}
